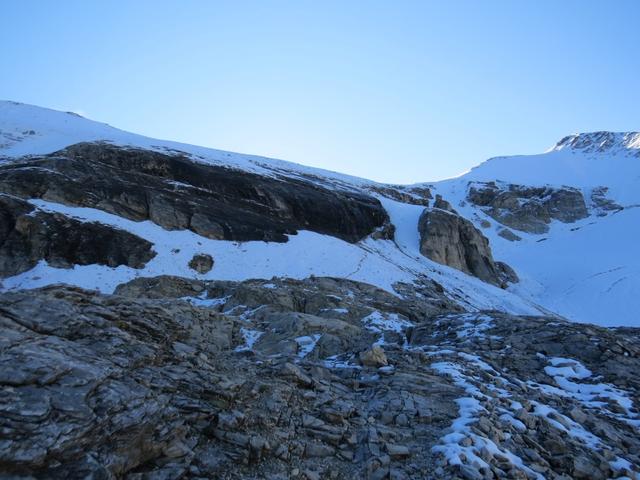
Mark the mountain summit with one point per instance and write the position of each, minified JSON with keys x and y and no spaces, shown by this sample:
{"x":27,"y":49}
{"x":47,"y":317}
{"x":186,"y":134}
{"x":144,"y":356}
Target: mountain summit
{"x":601,"y":142}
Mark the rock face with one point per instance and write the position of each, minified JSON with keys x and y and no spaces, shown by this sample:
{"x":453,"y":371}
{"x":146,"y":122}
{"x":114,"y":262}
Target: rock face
{"x":201,"y":262}
{"x":529,"y":209}
{"x":28,"y":235}
{"x":449,"y":239}
{"x":262,"y":379}
{"x":176,"y":192}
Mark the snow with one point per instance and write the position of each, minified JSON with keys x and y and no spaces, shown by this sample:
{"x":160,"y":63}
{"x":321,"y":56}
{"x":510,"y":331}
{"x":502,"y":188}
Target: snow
{"x":483,"y":393}
{"x":379,"y":322}
{"x":306,"y":344}
{"x":377,"y":262}
{"x":54,"y":130}
{"x":250,"y":339}
{"x":565,"y":424}
{"x":617,"y":169}
{"x":597,"y":282}
{"x":203,"y":301}
{"x":565,"y":371}
{"x":470,"y":408}
{"x":585,"y":271}
{"x":339,"y":362}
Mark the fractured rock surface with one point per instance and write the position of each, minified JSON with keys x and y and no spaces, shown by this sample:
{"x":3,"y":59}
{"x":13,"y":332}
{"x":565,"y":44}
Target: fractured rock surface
{"x":529,"y":209}
{"x":178,"y":378}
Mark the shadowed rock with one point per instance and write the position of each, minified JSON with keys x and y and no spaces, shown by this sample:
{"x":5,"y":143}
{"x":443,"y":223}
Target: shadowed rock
{"x":178,"y":193}
{"x":28,"y":235}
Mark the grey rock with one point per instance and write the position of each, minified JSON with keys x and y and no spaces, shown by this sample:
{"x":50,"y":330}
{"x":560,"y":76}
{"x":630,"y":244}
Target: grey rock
{"x":525,"y":208}
{"x":201,"y":262}
{"x":176,"y":192}
{"x":451,"y":240}
{"x":374,"y":357}
{"x":509,"y":235}
{"x":28,"y":235}
{"x":141,"y":385}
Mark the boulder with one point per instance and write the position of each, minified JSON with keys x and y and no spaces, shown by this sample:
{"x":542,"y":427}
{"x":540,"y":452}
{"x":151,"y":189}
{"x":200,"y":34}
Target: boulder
{"x":374,"y":357}
{"x":509,"y":235}
{"x":201,"y":263}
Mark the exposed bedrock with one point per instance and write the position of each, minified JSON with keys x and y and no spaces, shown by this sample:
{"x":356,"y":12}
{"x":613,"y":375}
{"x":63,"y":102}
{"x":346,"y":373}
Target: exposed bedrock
{"x":178,"y":193}
{"x":449,"y":239}
{"x":529,"y":209}
{"x":28,"y":235}
{"x":317,"y":378}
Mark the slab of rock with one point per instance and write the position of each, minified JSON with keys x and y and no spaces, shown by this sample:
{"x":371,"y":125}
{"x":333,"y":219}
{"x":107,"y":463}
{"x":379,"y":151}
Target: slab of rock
{"x":509,"y":235}
{"x":176,"y":192}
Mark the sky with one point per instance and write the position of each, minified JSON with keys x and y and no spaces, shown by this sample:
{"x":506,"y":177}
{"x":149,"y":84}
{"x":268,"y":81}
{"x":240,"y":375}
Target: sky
{"x":395,"y":91}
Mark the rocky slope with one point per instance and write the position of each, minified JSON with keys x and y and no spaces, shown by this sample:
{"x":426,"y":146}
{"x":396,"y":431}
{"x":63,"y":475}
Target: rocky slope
{"x":321,"y":378}
{"x":229,"y":316}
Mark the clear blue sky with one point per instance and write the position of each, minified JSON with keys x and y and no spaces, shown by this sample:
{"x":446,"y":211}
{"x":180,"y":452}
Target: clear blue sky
{"x":396,"y":91}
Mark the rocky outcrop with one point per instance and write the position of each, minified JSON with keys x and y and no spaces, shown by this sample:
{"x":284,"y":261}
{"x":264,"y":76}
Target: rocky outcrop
{"x":451,"y":240}
{"x":28,"y":235}
{"x":442,"y":204}
{"x":529,"y":209}
{"x":352,"y":382}
{"x":601,"y":204}
{"x":177,"y":192}
{"x":616,"y":143}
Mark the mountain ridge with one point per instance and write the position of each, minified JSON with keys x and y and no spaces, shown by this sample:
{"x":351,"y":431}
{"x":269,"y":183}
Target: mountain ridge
{"x":173,"y":312}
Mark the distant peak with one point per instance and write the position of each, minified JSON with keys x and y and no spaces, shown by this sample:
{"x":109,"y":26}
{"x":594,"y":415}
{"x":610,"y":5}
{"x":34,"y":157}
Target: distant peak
{"x":600,"y":142}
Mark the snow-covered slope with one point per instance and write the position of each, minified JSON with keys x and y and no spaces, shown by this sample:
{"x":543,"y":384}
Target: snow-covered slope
{"x":584,"y":160}
{"x":587,"y":270}
{"x":31,"y":130}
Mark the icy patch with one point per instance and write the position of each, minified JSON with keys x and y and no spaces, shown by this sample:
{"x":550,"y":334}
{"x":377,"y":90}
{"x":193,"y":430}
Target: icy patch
{"x":202,"y":301}
{"x":306,"y":344}
{"x":379,"y":322}
{"x":565,"y":424}
{"x":466,"y":326}
{"x":566,"y":370}
{"x":340,"y":361}
{"x":475,"y":326}
{"x":250,"y":339}
{"x":453,"y":445}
